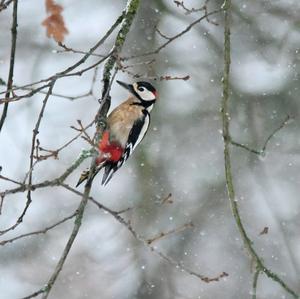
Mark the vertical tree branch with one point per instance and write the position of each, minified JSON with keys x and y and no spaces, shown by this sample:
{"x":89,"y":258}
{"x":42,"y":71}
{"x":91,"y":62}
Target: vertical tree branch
{"x":254,"y":285}
{"x":225,"y":132}
{"x":34,"y":137}
{"x":227,"y":161}
{"x":75,"y":230}
{"x":12,"y":61}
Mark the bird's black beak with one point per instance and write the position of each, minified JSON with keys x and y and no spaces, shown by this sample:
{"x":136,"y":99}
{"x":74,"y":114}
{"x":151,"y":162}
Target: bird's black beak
{"x":126,"y":86}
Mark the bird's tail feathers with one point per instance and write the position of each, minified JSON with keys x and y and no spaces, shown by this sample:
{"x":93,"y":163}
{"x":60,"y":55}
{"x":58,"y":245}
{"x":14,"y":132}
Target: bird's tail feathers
{"x":108,"y":173}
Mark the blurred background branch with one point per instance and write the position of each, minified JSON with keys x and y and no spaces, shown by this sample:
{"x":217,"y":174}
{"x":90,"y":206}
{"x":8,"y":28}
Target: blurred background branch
{"x":227,"y":158}
{"x":12,"y":58}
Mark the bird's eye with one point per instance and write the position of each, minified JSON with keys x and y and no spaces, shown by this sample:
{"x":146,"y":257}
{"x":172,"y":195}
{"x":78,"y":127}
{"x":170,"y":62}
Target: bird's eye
{"x":141,"y":88}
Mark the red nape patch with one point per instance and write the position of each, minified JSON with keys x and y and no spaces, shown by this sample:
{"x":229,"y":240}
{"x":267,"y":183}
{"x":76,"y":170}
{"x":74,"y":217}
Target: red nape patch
{"x":155,"y":94}
{"x":109,"y":151}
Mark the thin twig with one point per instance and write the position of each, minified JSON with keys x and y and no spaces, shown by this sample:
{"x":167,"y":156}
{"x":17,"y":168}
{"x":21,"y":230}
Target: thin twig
{"x":4,"y":5}
{"x":68,"y":49}
{"x":1,"y":203}
{"x":56,"y":77}
{"x":254,"y":285}
{"x":10,"y":180}
{"x":38,"y":232}
{"x":71,"y":98}
{"x":34,"y":137}
{"x":27,"y":95}
{"x":170,"y":232}
{"x":183,"y":268}
{"x":54,"y":182}
{"x":35,"y":133}
{"x":171,"y":39}
{"x":168,"y":199}
{"x":76,"y":227}
{"x":154,"y":78}
{"x":125,"y":69}
{"x":262,"y":152}
{"x":12,"y":60}
{"x":144,"y":241}
{"x":54,"y":153}
{"x":190,"y":10}
{"x":78,"y":63}
{"x":162,"y":34}
{"x":34,"y":294}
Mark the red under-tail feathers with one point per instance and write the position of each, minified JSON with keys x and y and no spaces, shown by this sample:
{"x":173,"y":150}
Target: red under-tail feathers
{"x":109,"y":152}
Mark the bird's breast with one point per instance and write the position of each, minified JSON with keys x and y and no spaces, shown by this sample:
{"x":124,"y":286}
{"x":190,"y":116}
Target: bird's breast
{"x":121,"y":120}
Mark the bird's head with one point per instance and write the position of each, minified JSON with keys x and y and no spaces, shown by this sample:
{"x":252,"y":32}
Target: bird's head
{"x":142,"y":90}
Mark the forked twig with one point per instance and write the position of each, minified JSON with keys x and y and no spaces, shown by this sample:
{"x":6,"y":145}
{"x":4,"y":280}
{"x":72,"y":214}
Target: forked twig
{"x":38,"y":232}
{"x":262,"y":152}
{"x":170,"y":232}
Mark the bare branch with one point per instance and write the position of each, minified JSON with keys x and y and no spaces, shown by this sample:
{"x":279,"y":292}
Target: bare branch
{"x":35,"y":133}
{"x":124,"y":68}
{"x":68,"y":49}
{"x":262,"y":152}
{"x":54,"y":182}
{"x":1,"y":203}
{"x":12,"y":60}
{"x":76,"y":227}
{"x":34,"y":294}
{"x":168,"y":199}
{"x":10,"y":180}
{"x":254,"y":285}
{"x":39,"y":232}
{"x":161,"y":34}
{"x":55,"y":78}
{"x":171,"y":39}
{"x":170,"y":232}
{"x":227,"y":157}
{"x":54,"y":153}
{"x":65,"y":72}
{"x":145,"y":242}
{"x":183,"y":268}
{"x":190,"y":10}
{"x":68,"y":97}
{"x":4,"y":4}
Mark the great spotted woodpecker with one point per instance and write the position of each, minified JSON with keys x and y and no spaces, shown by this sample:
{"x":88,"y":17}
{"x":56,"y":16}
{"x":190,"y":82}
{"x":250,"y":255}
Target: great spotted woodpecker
{"x":127,"y":125}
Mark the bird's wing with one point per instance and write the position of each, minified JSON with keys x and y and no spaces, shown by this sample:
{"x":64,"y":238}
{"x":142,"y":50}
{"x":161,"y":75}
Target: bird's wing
{"x":136,"y":135}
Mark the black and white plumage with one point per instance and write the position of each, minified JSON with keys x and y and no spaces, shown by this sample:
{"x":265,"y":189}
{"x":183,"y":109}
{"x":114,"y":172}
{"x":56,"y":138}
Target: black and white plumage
{"x":127,"y":125}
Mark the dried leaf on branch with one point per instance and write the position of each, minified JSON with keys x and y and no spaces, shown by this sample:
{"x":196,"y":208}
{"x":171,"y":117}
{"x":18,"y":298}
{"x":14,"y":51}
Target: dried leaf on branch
{"x":54,"y":23}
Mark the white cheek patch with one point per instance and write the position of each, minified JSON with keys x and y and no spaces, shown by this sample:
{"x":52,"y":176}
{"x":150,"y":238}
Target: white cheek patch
{"x":146,"y":95}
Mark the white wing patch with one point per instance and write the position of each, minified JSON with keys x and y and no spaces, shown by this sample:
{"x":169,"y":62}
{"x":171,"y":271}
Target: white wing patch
{"x":131,"y":147}
{"x":143,"y":131}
